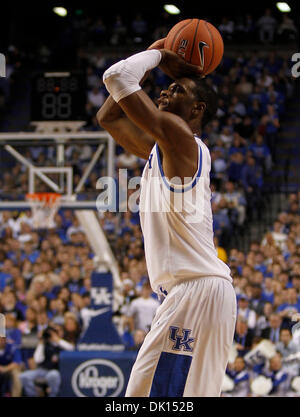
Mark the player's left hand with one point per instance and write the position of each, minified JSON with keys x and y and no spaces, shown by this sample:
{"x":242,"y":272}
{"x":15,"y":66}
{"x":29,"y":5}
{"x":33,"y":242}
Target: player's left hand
{"x":175,"y":66}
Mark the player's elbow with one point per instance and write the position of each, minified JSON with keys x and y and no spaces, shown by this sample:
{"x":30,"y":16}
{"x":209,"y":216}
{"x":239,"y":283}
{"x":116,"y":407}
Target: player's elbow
{"x":101,"y":118}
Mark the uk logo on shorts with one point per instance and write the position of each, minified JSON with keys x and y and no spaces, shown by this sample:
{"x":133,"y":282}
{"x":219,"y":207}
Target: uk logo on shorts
{"x":183,"y":341}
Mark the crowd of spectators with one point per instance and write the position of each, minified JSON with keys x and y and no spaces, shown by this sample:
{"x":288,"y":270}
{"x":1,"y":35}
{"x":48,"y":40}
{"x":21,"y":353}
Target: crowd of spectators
{"x":44,"y":287}
{"x":265,"y":29}
{"x":141,"y":28}
{"x":82,"y":33}
{"x":253,"y":91}
{"x":267,"y":284}
{"x":45,"y":282}
{"x":45,"y":276}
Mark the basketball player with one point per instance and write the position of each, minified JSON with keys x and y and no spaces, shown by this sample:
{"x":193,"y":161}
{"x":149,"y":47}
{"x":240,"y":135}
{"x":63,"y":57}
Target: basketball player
{"x":186,"y":350}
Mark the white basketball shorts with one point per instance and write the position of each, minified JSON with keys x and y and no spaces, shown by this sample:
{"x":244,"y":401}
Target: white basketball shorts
{"x":185,"y":353}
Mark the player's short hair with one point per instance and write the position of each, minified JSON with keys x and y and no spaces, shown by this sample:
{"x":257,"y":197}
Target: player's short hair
{"x":207,"y":94}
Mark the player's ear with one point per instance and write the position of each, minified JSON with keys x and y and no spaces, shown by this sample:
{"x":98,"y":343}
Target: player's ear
{"x":199,"y":108}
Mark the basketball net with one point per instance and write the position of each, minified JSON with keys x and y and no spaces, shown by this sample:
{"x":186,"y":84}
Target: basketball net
{"x":44,"y":206}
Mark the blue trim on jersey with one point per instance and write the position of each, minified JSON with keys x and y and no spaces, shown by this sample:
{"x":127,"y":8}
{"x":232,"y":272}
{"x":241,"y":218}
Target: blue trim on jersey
{"x":170,"y":375}
{"x":177,"y":190}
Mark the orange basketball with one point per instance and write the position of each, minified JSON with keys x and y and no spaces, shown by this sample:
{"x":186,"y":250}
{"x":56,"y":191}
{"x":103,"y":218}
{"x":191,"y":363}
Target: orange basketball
{"x":198,"y":42}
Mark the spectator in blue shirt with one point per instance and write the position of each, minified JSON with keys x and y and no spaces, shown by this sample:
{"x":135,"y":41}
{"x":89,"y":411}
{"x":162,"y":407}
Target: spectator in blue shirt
{"x":10,"y":360}
{"x":261,"y":153}
{"x":236,"y":203}
{"x":240,"y":376}
{"x":258,"y":94}
{"x":221,"y":222}
{"x":75,"y":282}
{"x":235,"y":167}
{"x":28,"y":252}
{"x":273,"y":63}
{"x":238,"y":106}
{"x":283,"y":278}
{"x":277,"y":101}
{"x":257,"y":304}
{"x":12,"y":331}
{"x":292,"y":306}
{"x":269,"y":126}
{"x":255,"y":111}
{"x":280,"y":377}
{"x":296,"y":284}
{"x":260,"y":263}
{"x":238,"y":145}
{"x":272,"y":121}
{"x":243,"y":336}
{"x":9,"y":304}
{"x":5,"y":274}
{"x":251,"y":175}
{"x":268,"y":292}
{"x":287,"y":345}
{"x":272,"y":332}
{"x":263,"y":319}
{"x":252,"y":181}
{"x":46,"y":357}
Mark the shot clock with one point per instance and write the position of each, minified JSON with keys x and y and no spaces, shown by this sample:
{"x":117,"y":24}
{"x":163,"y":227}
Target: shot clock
{"x":58,"y":96}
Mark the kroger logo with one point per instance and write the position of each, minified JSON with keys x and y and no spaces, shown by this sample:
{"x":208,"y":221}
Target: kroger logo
{"x":97,"y":378}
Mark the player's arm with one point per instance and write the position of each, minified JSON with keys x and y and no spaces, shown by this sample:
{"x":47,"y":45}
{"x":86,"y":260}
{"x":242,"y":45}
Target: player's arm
{"x":112,"y":118}
{"x":169,"y":130}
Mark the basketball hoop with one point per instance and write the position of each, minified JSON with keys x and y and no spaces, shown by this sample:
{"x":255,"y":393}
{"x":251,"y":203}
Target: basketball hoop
{"x":44,"y":206}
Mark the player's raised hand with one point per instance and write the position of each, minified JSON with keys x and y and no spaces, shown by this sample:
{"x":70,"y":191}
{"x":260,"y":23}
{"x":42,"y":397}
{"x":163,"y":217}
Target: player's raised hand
{"x":175,"y":66}
{"x":172,"y":64}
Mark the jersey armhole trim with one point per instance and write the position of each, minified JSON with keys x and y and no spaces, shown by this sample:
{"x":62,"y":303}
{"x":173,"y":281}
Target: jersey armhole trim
{"x":183,"y":188}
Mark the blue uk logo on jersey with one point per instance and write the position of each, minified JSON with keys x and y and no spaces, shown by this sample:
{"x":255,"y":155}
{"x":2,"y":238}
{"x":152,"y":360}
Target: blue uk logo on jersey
{"x":182,"y":342}
{"x":164,"y":292}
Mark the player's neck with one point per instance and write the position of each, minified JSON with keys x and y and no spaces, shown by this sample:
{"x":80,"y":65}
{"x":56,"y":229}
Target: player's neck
{"x":195,"y":128}
{"x":197,"y":132}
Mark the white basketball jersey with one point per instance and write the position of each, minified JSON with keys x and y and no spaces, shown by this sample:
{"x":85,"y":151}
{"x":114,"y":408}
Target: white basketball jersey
{"x":176,"y":221}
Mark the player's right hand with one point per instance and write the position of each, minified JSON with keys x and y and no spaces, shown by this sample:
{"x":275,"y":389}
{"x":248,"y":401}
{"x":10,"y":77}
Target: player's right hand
{"x":175,"y":66}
